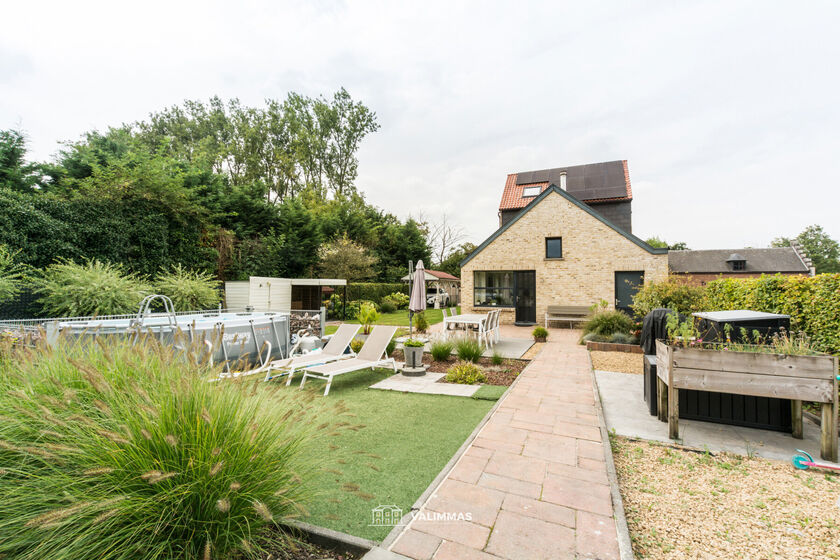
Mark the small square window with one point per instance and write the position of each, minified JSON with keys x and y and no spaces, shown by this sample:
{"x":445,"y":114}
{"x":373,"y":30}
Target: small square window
{"x":531,"y":191}
{"x":554,"y":247}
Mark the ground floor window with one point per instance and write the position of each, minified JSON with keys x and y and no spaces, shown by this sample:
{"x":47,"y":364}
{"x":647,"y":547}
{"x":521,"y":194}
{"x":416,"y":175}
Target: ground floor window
{"x":493,"y":288}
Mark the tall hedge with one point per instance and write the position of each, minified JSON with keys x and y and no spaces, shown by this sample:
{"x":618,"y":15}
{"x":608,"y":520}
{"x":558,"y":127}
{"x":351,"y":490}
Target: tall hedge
{"x":813,"y":303}
{"x":373,"y":291}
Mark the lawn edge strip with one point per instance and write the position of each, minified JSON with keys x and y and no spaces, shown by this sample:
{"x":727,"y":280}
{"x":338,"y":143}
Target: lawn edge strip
{"x":625,"y":545}
{"x":395,"y":533}
{"x":331,"y":539}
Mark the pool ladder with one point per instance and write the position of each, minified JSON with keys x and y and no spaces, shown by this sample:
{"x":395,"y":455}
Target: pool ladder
{"x":146,"y":310}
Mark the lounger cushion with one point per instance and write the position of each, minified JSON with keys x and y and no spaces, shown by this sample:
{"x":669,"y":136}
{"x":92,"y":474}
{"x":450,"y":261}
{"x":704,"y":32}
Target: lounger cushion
{"x":342,"y":365}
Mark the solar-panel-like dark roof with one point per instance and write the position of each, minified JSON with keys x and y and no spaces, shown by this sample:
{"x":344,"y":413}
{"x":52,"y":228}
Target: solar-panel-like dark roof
{"x":584,"y":182}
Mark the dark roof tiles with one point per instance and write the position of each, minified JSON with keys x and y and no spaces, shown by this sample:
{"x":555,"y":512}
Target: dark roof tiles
{"x":763,"y":260}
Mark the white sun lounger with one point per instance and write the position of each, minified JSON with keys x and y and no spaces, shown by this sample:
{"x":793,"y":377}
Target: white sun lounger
{"x":373,"y":354}
{"x":332,"y":352}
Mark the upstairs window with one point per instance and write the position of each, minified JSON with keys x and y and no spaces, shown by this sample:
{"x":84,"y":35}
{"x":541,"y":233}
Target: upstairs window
{"x":528,"y":192}
{"x":739,"y":265}
{"x":554,"y":247}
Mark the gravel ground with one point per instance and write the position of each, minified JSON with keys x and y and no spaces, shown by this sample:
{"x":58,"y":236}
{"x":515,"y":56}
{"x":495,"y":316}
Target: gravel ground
{"x":686,"y":504}
{"x":623,"y":362}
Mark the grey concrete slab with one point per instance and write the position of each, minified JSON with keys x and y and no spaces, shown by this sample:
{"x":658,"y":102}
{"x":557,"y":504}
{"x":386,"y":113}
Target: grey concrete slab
{"x":509,"y":347}
{"x":426,"y":384}
{"x":622,"y":397}
{"x":382,"y":554}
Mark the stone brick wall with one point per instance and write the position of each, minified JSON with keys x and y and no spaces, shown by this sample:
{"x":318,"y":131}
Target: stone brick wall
{"x":592,"y":253}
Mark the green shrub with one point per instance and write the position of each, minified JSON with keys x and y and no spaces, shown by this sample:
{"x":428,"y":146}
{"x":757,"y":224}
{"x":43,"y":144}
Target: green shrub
{"x":623,"y":338}
{"x":539,"y":332}
{"x":356,"y":345}
{"x":11,"y":273}
{"x":466,"y":373}
{"x":813,"y":303}
{"x":441,"y":350}
{"x":497,"y":358}
{"x":392,"y":345}
{"x":113,"y":452}
{"x":675,"y":293}
{"x":592,"y":337}
{"x":388,"y":305}
{"x":420,"y":322}
{"x":336,"y":308}
{"x":400,"y":299}
{"x":607,"y":323}
{"x":374,"y":291}
{"x":188,"y":290}
{"x":413,"y":343}
{"x":368,"y":316}
{"x":93,"y":288}
{"x":468,"y":349}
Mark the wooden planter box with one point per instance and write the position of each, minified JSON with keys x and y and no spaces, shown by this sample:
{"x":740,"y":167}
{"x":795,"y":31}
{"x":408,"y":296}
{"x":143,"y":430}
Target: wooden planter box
{"x":799,"y":378}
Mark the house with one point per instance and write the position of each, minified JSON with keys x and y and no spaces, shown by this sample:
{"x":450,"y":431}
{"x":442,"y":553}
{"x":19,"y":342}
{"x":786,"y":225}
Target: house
{"x":560,"y":246}
{"x":444,"y":282}
{"x":699,"y":267}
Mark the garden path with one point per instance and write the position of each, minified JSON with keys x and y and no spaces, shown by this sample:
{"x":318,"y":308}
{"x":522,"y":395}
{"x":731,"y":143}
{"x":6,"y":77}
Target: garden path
{"x":534,"y":482}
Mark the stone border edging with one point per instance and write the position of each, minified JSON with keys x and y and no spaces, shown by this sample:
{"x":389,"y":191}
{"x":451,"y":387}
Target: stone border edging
{"x":404,"y":522}
{"x":625,"y":545}
{"x":614,"y":347}
{"x":329,"y":538}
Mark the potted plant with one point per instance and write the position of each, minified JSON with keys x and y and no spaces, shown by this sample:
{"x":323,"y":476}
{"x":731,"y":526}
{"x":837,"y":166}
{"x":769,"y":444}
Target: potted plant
{"x":413,"y":352}
{"x":539,"y":334}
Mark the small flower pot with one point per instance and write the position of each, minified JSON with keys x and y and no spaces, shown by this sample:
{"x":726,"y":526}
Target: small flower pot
{"x":413,"y":356}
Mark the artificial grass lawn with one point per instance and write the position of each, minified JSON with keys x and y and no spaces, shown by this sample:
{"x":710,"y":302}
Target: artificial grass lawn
{"x":406,"y":440}
{"x":490,"y":392}
{"x":400,"y":318}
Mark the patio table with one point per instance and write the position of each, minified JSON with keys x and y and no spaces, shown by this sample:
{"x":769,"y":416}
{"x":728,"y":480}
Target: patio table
{"x":478,"y":319}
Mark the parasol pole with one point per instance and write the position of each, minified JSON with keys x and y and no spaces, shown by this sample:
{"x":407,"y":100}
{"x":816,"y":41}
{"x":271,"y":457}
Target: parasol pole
{"x":410,"y":276}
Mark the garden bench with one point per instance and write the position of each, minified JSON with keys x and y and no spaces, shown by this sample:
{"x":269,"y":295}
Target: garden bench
{"x":571,"y":313}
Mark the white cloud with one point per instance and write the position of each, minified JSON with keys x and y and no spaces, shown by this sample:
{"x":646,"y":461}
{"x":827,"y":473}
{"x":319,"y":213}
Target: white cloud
{"x":726,"y":111}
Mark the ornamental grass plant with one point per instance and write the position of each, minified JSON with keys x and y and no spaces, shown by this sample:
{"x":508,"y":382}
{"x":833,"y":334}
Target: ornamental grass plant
{"x":109,"y":451}
{"x":91,"y":288}
{"x":189,"y":290}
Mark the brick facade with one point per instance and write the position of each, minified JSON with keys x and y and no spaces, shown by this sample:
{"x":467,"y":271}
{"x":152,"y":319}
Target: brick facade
{"x":592,"y":253}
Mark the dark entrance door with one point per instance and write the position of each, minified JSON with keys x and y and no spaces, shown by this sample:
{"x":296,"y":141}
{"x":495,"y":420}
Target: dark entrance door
{"x":626,"y":285}
{"x":525,"y":293}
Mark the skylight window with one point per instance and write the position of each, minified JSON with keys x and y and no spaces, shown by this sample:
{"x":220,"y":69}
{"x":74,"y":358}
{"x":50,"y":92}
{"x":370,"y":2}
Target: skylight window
{"x":531,"y":191}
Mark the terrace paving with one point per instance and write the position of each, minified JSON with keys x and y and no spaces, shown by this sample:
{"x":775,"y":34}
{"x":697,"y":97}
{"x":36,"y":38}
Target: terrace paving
{"x":534,"y":481}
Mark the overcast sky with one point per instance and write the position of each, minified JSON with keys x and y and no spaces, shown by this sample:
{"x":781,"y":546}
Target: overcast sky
{"x":726,"y":111}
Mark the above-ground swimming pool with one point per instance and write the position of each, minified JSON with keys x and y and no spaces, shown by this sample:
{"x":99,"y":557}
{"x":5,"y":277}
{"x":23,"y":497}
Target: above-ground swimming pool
{"x":252,"y":336}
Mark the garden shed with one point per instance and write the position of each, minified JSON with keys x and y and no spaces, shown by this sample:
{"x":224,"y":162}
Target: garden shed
{"x":278,"y":294}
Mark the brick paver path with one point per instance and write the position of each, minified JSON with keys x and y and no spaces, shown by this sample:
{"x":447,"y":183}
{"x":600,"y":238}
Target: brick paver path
{"x":534,"y":481}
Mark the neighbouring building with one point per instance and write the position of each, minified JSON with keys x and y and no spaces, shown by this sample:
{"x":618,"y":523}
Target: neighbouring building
{"x":699,"y":267}
{"x":564,"y":239}
{"x":440,"y":282}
